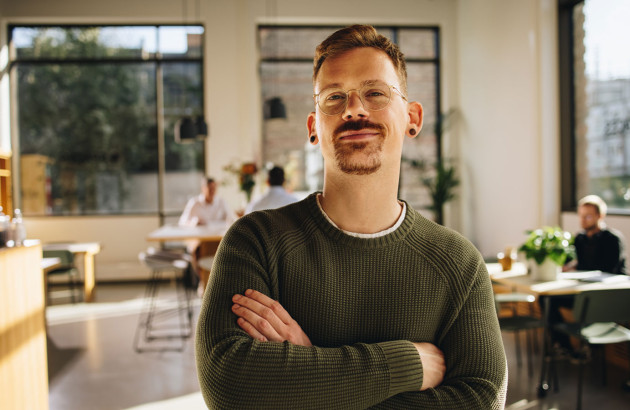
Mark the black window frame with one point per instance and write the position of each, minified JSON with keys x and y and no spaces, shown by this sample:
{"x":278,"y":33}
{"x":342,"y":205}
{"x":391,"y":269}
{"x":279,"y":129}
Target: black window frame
{"x":156,"y":58}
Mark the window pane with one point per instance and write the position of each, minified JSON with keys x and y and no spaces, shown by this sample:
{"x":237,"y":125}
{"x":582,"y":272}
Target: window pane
{"x":184,"y":41}
{"x":287,"y":42}
{"x":184,"y":162}
{"x":417,"y":43}
{"x":421,"y":84}
{"x":602,"y":101}
{"x":136,"y":42}
{"x":88,"y":130}
{"x":285,"y":141}
{"x":84,"y":42}
{"x":86,"y":133}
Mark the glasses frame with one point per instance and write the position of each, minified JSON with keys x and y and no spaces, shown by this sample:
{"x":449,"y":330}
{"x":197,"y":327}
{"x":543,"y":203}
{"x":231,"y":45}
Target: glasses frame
{"x":345,"y":105}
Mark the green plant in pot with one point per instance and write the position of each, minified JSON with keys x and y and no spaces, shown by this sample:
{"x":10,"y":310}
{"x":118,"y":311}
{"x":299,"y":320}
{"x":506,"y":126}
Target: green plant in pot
{"x":549,"y":247}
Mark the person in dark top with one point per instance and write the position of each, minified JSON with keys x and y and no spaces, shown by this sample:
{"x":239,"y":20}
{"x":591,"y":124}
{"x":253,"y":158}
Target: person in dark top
{"x":597,"y":247}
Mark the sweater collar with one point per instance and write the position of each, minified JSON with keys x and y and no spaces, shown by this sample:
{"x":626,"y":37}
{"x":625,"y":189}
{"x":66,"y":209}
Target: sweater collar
{"x":402,"y":229}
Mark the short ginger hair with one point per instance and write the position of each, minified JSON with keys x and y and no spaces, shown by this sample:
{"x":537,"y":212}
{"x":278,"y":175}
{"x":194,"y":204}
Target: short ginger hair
{"x":358,"y":36}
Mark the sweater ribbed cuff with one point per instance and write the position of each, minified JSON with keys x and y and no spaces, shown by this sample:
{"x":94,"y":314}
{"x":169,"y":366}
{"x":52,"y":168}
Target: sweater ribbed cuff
{"x":405,"y":366}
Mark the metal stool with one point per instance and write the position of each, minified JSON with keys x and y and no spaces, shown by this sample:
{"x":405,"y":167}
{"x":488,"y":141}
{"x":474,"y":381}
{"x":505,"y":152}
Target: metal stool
{"x":163,"y":320}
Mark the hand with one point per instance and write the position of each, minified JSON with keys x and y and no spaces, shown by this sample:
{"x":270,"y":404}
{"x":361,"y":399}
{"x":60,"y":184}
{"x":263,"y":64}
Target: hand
{"x":433,"y":365}
{"x":265,"y":319}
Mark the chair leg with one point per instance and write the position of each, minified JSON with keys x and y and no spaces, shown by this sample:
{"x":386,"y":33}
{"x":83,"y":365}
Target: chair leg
{"x":153,"y":323}
{"x":529,"y":335}
{"x":580,"y":380}
{"x":517,"y":342}
{"x":602,"y":352}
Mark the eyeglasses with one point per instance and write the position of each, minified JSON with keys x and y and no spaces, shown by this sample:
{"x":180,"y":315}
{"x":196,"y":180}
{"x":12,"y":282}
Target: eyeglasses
{"x":374,"y":96}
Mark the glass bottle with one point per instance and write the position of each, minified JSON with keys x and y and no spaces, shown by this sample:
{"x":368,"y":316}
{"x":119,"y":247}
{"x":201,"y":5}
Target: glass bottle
{"x":18,"y":228}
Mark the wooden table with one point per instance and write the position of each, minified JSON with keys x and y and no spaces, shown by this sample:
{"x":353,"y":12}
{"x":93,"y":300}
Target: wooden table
{"x":567,"y":283}
{"x":87,"y":250}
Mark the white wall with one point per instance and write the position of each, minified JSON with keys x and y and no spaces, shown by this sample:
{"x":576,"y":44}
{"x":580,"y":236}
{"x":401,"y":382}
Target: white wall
{"x":499,"y":65}
{"x":508,"y":130}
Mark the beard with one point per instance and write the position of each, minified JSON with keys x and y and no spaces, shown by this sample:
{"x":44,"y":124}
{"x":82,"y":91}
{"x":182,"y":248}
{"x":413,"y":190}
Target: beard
{"x":359,"y":158}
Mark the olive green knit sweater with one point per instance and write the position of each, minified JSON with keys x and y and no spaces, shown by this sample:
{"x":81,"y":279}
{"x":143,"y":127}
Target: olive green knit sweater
{"x":361,"y":302}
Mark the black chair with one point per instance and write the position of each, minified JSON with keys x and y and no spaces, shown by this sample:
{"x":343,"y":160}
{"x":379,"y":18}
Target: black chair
{"x":156,"y":321}
{"x":597,"y":314}
{"x":66,"y":267}
{"x":517,"y":322}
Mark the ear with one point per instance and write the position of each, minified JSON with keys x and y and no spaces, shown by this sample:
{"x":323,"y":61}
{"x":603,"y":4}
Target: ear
{"x":310,"y":126}
{"x":416,"y":116}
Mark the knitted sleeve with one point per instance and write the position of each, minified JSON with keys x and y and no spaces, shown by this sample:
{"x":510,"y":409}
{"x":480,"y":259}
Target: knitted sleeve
{"x":237,"y":372}
{"x":476,"y":374}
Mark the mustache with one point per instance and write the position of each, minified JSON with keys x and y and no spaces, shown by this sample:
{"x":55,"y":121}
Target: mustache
{"x":357,"y":126}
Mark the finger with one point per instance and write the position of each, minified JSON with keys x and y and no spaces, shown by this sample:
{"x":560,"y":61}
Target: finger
{"x":258,"y":322}
{"x":274,"y":305}
{"x":251,"y":330}
{"x":264,"y":307}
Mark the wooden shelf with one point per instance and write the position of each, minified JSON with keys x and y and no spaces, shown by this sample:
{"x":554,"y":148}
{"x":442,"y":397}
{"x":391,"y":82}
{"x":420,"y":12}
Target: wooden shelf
{"x":6,"y":196}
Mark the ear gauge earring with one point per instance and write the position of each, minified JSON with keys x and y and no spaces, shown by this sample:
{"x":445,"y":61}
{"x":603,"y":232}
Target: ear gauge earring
{"x":313,"y":138}
{"x":412,"y":131}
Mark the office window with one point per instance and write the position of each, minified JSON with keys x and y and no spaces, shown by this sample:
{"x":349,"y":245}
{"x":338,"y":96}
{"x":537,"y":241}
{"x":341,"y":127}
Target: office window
{"x":596,"y":102}
{"x":96,"y":108}
{"x":286,"y":69}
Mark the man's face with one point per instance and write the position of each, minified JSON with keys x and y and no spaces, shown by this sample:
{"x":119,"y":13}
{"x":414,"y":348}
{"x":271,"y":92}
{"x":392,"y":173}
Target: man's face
{"x":209,"y":190}
{"x":589,"y":217}
{"x":358,"y":141}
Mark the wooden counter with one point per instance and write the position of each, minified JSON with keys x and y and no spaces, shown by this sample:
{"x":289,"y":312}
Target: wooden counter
{"x":23,"y":366}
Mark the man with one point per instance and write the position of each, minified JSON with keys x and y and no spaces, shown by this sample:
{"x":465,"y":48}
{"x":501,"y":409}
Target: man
{"x":276,"y":196}
{"x":348,"y":299}
{"x":205,"y":209}
{"x":597,"y":247}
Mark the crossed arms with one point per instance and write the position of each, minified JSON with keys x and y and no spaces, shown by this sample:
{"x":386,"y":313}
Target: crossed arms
{"x":265,"y":319}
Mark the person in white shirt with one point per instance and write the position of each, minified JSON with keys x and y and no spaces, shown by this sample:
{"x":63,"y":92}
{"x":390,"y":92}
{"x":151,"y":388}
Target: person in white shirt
{"x":205,"y":209}
{"x":276,"y":196}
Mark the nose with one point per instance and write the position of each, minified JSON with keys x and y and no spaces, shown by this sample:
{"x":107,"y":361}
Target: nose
{"x":354,"y":107}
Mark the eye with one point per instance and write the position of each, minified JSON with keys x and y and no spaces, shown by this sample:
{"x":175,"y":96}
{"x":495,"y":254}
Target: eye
{"x":374,"y":93}
{"x":335,"y":96}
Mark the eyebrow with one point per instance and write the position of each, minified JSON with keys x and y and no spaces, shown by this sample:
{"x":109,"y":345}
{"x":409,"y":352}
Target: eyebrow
{"x":363,"y":83}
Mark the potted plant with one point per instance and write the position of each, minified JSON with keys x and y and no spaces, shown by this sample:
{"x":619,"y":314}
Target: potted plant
{"x":549,"y":247}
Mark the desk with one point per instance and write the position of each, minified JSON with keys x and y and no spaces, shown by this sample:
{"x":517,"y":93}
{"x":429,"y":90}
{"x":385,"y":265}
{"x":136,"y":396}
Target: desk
{"x":87,"y":250}
{"x":519,"y":281}
{"x":207,"y":233}
{"x":50,"y":263}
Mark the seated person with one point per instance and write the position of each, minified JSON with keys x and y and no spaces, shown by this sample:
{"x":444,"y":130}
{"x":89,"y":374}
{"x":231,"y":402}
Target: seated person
{"x":276,"y":196}
{"x":597,"y":247}
{"x":204,"y":209}
{"x":207,"y":207}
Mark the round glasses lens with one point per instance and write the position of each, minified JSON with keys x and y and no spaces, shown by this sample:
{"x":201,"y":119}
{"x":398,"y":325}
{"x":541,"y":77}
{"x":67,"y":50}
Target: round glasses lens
{"x":375,"y":96}
{"x":332,"y":101}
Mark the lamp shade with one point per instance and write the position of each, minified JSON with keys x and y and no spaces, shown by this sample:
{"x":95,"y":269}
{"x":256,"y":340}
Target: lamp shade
{"x":188,"y":130}
{"x":274,"y":108}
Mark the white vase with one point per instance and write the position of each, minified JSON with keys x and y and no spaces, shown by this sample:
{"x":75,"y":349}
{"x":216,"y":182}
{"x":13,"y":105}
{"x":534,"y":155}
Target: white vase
{"x":545,"y":272}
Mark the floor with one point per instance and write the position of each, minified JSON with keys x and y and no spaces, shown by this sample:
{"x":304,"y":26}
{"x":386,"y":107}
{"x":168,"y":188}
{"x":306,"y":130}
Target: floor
{"x":93,"y":363}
